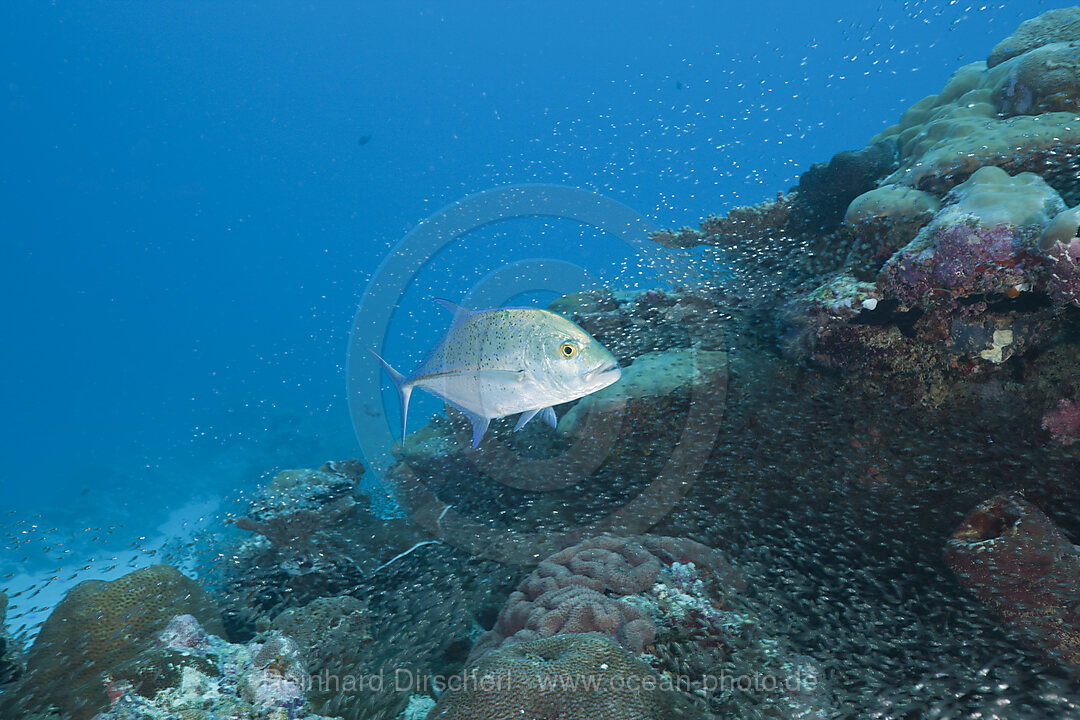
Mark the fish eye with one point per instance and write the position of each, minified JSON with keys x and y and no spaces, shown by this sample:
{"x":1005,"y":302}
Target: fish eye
{"x":567,"y":350}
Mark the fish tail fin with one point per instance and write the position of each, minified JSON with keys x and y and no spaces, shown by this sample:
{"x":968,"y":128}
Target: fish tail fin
{"x":404,"y":391}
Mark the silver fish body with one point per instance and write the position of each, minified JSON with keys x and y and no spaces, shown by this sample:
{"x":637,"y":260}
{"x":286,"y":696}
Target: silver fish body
{"x":498,"y":362}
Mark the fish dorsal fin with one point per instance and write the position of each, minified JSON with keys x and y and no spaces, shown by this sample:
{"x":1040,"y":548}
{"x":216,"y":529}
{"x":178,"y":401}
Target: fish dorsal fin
{"x":456,"y":310}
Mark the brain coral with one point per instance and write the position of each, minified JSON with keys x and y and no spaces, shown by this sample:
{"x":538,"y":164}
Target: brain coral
{"x":577,"y":590}
{"x":98,"y":626}
{"x":567,"y":677}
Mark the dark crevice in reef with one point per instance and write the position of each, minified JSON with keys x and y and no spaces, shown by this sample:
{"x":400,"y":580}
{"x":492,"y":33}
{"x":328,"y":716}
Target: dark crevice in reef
{"x":886,"y":313}
{"x":1022,"y":303}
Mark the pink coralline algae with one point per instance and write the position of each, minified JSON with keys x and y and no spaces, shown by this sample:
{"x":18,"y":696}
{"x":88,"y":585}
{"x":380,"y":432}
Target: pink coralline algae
{"x":1063,"y":272}
{"x":581,"y":589}
{"x":959,"y":260}
{"x":1064,"y":422}
{"x":1020,"y":565}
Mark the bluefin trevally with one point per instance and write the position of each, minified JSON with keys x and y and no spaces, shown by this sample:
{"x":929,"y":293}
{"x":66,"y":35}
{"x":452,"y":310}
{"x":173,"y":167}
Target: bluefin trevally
{"x":494,"y":363}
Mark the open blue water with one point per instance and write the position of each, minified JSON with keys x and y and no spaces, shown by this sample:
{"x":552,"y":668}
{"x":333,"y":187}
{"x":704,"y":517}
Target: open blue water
{"x":194,"y":194}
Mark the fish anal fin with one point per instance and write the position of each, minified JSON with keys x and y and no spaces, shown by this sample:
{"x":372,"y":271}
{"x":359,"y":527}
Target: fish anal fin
{"x":479,"y":427}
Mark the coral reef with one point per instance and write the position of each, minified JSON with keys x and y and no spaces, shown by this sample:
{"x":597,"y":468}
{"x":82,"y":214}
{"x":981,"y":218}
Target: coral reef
{"x":346,"y":585}
{"x":826,"y":190}
{"x":674,"y":603}
{"x":984,"y":240}
{"x":954,"y":271}
{"x":332,"y":634}
{"x":317,"y":537}
{"x":1052,"y":26}
{"x":1020,"y":564}
{"x":191,"y":673}
{"x":984,"y":281}
{"x":97,"y":627}
{"x":569,"y":677}
{"x":880,"y":349}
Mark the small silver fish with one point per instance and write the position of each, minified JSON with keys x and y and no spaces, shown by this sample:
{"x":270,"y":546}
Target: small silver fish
{"x":494,"y":363}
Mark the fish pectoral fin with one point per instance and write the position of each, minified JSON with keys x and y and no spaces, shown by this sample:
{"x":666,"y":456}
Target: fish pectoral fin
{"x":479,"y":426}
{"x":525,"y":418}
{"x":546,"y":414}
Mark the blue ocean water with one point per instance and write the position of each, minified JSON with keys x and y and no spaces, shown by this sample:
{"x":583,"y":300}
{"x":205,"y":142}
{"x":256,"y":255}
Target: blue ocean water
{"x":195,"y":194}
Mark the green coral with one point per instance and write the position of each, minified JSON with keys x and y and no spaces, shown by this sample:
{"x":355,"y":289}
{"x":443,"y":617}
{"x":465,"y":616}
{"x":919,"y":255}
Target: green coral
{"x":993,"y":198}
{"x":1062,"y":229}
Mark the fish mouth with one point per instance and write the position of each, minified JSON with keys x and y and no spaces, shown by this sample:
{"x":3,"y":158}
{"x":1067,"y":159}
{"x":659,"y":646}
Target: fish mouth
{"x":611,"y":368}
